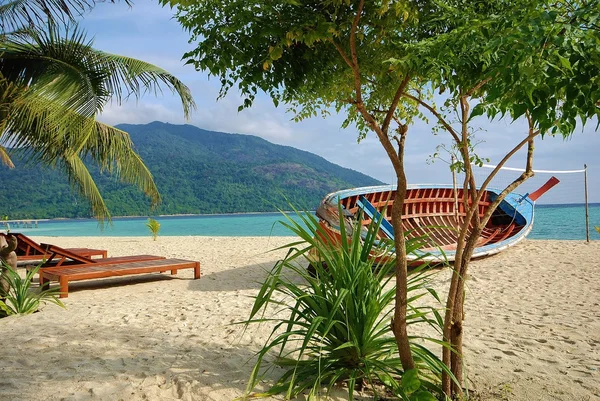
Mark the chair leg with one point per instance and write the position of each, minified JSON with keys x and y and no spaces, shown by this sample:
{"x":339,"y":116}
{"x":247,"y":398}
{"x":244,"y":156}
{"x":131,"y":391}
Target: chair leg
{"x":64,"y":287}
{"x":44,"y":284}
{"x":197,"y":271}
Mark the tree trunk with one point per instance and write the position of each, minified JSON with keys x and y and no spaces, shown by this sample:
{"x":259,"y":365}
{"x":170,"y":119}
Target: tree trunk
{"x":8,"y":256}
{"x":456,"y":337}
{"x":401,"y":302}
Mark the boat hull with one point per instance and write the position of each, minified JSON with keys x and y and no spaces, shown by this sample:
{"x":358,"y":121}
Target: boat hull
{"x":434,"y":213}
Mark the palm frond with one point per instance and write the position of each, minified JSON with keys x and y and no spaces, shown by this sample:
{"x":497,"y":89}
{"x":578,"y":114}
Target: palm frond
{"x":48,"y":133}
{"x":64,"y":66}
{"x":139,"y":77}
{"x":80,"y":178}
{"x":15,"y":14}
{"x":53,"y":84}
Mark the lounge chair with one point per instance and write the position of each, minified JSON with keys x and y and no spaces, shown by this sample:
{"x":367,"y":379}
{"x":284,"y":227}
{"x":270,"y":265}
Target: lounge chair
{"x":28,"y":249}
{"x":57,"y":257}
{"x":65,"y":274}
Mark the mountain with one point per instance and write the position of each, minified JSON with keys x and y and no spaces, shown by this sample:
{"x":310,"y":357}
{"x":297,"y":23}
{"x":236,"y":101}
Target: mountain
{"x":196,"y":171}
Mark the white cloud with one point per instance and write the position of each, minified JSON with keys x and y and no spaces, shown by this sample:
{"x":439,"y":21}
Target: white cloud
{"x":142,"y":113}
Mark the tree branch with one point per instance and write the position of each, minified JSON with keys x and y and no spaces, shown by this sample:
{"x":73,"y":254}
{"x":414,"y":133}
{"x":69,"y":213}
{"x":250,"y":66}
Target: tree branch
{"x":528,"y":173}
{"x":477,"y":87}
{"x":437,"y":115}
{"x":394,"y":105}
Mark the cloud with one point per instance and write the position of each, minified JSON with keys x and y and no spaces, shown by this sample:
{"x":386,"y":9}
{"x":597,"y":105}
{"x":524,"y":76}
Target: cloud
{"x":262,"y":119}
{"x":142,"y":113}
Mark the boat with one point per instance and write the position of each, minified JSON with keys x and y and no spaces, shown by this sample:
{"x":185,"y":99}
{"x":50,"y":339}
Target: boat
{"x":434,"y":214}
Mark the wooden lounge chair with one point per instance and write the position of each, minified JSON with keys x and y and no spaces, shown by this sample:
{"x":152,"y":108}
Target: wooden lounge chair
{"x":57,"y":256}
{"x":65,"y":274}
{"x":28,"y":249}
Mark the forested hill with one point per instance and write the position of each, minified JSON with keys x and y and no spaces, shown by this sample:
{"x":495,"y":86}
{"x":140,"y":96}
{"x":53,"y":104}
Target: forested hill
{"x":196,"y":171}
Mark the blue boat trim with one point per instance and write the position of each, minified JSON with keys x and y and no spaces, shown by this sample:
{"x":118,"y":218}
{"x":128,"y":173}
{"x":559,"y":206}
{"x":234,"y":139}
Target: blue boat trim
{"x":372,"y":212}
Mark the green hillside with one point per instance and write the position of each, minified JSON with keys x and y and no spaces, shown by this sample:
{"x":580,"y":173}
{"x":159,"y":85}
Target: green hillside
{"x":196,"y":171}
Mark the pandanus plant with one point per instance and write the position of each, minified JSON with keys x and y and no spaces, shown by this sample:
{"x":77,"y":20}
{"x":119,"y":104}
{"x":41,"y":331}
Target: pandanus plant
{"x":331,"y":325}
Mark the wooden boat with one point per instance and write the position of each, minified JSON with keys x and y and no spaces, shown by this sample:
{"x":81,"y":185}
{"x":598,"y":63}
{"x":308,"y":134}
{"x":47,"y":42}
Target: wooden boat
{"x":435,"y":213}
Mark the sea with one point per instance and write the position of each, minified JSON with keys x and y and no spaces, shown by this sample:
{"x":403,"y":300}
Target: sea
{"x":559,"y":222}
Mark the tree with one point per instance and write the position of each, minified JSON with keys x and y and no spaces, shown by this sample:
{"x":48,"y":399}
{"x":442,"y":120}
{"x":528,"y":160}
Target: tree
{"x":380,"y":63}
{"x":554,"y":91}
{"x":53,"y":84}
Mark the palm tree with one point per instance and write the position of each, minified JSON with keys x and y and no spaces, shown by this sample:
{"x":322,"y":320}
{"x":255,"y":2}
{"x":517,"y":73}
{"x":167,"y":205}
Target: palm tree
{"x":53,"y":83}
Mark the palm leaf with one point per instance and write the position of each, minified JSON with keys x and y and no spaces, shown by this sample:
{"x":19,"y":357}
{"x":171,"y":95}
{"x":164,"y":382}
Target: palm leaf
{"x":49,"y":134}
{"x":15,"y":14}
{"x":64,"y":66}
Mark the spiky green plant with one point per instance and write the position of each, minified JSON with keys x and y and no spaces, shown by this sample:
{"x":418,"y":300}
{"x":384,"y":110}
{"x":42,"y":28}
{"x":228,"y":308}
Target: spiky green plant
{"x":597,"y":229}
{"x":20,"y":298}
{"x":154,"y":227}
{"x":333,"y":323}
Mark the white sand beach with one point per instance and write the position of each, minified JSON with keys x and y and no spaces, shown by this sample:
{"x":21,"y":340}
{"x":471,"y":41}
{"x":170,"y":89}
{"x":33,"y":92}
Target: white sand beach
{"x":532,"y":325}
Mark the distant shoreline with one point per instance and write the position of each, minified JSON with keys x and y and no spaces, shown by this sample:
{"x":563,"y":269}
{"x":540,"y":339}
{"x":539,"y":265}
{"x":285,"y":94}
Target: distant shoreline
{"x":160,"y":215}
{"x":565,"y":205}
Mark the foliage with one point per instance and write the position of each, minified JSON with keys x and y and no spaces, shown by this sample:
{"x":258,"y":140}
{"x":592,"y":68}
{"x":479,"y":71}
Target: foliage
{"x":52,"y":86}
{"x":21,"y":299}
{"x":332,"y":322}
{"x":597,"y":229}
{"x":154,"y":227}
{"x":239,"y":173}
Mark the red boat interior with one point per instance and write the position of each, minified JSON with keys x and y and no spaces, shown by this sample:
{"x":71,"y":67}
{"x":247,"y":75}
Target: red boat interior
{"x":435,"y":213}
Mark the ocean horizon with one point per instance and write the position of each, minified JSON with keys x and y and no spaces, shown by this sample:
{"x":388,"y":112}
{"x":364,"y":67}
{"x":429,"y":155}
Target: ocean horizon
{"x":558,"y":222}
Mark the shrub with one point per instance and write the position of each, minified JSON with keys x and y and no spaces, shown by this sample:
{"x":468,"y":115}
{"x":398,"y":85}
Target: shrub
{"x":20,"y":298}
{"x":336,"y":318}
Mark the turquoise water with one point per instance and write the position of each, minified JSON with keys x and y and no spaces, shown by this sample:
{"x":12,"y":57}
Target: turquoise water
{"x":564,"y":222}
{"x":551,"y":222}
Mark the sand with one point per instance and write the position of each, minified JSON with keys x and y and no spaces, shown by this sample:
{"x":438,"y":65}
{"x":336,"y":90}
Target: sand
{"x":532,"y":330}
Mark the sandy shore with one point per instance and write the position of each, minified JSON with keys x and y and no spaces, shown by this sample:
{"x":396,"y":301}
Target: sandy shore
{"x":532,"y":325}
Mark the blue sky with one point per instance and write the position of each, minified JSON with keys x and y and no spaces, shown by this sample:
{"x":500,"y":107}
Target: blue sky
{"x":148,"y":32}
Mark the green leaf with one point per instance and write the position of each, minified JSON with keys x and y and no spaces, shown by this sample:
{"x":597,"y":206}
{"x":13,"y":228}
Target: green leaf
{"x":564,"y":62}
{"x":276,"y":52}
{"x":410,"y":381}
{"x":54,"y":84}
{"x":478,"y":110}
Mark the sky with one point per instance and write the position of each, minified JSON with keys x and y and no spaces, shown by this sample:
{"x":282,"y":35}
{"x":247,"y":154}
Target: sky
{"x":148,"y":32}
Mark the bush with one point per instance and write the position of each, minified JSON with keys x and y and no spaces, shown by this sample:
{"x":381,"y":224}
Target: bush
{"x":336,"y":327}
{"x":21,"y":299}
